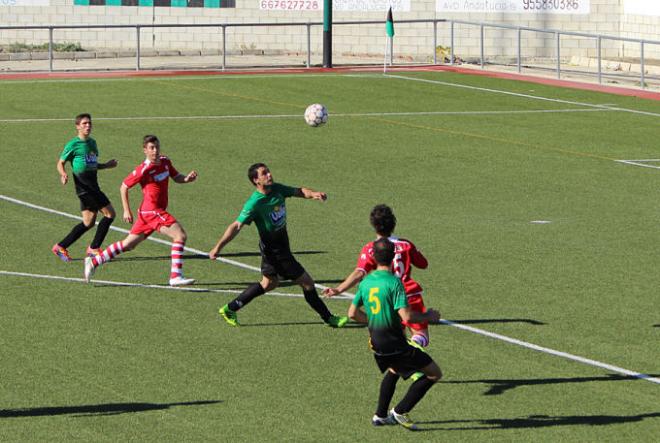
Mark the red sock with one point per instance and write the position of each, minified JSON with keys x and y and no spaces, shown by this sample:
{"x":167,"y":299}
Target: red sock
{"x":108,"y":254}
{"x":177,"y":260}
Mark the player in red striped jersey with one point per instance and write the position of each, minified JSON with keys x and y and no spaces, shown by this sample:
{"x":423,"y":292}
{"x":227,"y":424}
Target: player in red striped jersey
{"x":406,"y":256}
{"x":153,"y":175}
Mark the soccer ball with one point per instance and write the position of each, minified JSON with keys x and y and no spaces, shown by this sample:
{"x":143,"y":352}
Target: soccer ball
{"x":316,"y":115}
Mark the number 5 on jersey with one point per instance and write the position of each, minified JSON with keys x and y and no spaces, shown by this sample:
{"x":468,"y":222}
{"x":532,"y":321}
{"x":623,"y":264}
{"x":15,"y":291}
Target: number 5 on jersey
{"x":374,"y":301}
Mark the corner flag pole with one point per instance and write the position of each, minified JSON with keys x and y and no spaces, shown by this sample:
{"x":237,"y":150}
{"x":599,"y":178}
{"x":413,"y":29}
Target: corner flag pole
{"x":389,"y":41}
{"x":327,"y":33}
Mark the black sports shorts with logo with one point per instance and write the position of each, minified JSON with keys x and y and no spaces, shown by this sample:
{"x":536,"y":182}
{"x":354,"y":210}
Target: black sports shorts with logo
{"x":88,"y":191}
{"x":277,"y":259}
{"x":406,"y":363}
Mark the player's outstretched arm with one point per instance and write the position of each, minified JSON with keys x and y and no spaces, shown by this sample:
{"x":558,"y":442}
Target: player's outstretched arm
{"x":191,"y":177}
{"x":64,"y":177}
{"x":353,"y":278}
{"x":109,"y":164}
{"x":230,"y":233}
{"x":128,"y":215}
{"x":309,"y":193}
{"x":356,"y":314}
{"x":407,"y":315}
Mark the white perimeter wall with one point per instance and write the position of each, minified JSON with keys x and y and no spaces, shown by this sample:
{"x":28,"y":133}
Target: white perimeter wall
{"x":606,"y":17}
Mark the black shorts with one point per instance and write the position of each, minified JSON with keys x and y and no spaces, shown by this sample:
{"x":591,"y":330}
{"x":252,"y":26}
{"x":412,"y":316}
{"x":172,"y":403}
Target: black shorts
{"x":406,"y":363}
{"x":280,"y":262}
{"x":93,"y":201}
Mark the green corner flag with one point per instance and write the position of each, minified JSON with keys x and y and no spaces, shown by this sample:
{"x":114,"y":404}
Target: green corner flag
{"x":389,"y":24}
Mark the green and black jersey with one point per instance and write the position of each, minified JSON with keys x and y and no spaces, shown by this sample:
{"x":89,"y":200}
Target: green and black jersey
{"x":268,"y":212}
{"x":382,"y":295}
{"x":83,"y":156}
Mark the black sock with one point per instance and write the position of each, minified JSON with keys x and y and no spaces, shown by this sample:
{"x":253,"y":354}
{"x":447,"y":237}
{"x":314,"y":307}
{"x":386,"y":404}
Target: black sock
{"x":101,"y":232}
{"x":387,"y":387}
{"x":312,"y":298}
{"x":77,"y":231}
{"x":415,"y":393}
{"x":245,"y":297}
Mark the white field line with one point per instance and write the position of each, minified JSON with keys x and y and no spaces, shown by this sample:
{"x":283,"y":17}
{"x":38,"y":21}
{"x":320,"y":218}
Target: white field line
{"x":641,"y":163}
{"x":504,"y":338}
{"x":283,"y":116}
{"x":518,"y":94}
{"x":137,"y":285}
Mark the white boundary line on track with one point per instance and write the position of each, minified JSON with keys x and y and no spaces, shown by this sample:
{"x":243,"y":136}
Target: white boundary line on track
{"x":268,"y":116}
{"x":518,"y":94}
{"x":137,"y":285}
{"x":641,"y":163}
{"x":483,"y":332}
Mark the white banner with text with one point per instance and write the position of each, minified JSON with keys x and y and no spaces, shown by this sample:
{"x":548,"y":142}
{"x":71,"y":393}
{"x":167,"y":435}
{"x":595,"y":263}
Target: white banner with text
{"x":515,"y":6}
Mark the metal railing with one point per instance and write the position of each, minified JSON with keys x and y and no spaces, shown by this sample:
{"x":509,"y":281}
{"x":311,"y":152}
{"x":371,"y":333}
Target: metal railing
{"x":598,"y":38}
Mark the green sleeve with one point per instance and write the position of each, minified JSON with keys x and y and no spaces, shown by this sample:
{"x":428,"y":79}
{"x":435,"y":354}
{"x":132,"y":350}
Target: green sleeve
{"x":400,"y":298}
{"x":286,"y":191}
{"x":67,"y":153}
{"x":247,"y":213}
{"x":357,"y":300}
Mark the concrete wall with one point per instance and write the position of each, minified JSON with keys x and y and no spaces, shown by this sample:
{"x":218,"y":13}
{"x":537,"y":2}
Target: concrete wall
{"x":413,"y":40}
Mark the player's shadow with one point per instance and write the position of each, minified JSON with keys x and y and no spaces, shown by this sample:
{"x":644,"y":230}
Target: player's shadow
{"x":535,"y":421}
{"x":300,"y":323}
{"x":102,"y":409}
{"x":498,"y":387}
{"x":497,"y":320}
{"x":656,"y":326}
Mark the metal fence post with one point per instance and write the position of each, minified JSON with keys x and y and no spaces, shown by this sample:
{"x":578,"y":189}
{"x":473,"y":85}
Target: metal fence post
{"x":224,"y":47}
{"x":451,"y":40}
{"x":435,"y":42}
{"x":137,"y":53}
{"x":558,"y":56}
{"x":519,"y":61}
{"x":600,"y":60}
{"x":481,"y":45}
{"x":50,"y":49}
{"x":309,"y":44}
{"x":641,"y":64}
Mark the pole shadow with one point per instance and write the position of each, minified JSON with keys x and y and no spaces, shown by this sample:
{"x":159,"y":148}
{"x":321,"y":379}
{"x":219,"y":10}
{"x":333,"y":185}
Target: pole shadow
{"x":537,"y":421}
{"x":95,"y":410}
{"x":499,"y":387}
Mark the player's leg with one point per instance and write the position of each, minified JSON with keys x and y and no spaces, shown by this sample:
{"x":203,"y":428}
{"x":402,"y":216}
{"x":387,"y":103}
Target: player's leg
{"x":424,"y":363}
{"x":88,"y":220}
{"x":314,"y":301}
{"x":112,"y":251}
{"x":178,"y":235}
{"x":387,"y":388}
{"x":419,"y":332}
{"x":102,"y":229}
{"x":228,"y":311}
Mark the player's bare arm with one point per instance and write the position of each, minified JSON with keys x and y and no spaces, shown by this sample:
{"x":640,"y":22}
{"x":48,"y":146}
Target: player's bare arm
{"x":356,"y":314}
{"x":191,"y":177}
{"x":64,"y":177}
{"x":128,"y":215}
{"x":311,"y":194}
{"x":353,"y":279}
{"x":407,"y":315}
{"x":230,"y":233}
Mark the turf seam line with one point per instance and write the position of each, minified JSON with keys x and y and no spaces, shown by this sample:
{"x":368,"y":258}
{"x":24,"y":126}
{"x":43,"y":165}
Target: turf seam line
{"x":478,"y":331}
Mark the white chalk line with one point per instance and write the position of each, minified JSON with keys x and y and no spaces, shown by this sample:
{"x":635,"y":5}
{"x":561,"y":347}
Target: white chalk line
{"x":518,"y":94}
{"x":136,"y":285}
{"x":642,"y":163}
{"x":286,"y":116}
{"x":478,"y":331}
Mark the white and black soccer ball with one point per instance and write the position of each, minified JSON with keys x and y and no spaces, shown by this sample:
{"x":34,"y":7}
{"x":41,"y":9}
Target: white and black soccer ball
{"x":316,"y":115}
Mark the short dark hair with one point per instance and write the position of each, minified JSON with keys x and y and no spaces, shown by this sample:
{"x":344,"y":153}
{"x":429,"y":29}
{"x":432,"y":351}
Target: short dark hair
{"x":253,"y":171}
{"x":383,"y":251}
{"x":80,"y":117}
{"x":150,"y":139}
{"x":383,"y":220}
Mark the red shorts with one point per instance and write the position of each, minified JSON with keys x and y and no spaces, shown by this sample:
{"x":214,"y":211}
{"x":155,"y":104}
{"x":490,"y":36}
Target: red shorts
{"x":151,"y":221}
{"x":416,"y":304}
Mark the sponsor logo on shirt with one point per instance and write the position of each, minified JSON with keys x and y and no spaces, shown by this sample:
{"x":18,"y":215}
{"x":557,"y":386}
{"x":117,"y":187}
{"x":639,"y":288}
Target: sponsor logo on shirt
{"x":278,"y":215}
{"x":90,"y":158}
{"x":162,"y":176}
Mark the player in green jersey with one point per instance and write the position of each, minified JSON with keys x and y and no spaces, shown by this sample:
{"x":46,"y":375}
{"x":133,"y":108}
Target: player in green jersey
{"x":83,"y":153}
{"x":385,"y":304}
{"x":266,"y":208}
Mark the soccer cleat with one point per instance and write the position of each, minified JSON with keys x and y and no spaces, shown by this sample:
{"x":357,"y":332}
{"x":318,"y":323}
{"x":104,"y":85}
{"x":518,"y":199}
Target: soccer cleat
{"x":404,"y":420}
{"x":89,"y":269}
{"x":91,"y":252}
{"x":334,"y":321}
{"x":380,"y":421}
{"x":181,"y":281}
{"x":61,"y":252}
{"x":230,"y":316}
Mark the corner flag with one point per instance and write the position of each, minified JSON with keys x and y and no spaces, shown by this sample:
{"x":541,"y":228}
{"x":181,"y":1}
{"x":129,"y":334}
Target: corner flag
{"x":389,"y":24}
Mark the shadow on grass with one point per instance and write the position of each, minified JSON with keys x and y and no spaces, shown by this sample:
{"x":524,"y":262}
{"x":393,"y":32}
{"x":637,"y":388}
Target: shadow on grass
{"x":300,"y":323}
{"x":537,"y":421}
{"x":501,"y":386}
{"x":497,"y":320}
{"x":203,"y":256}
{"x":103,"y":409}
